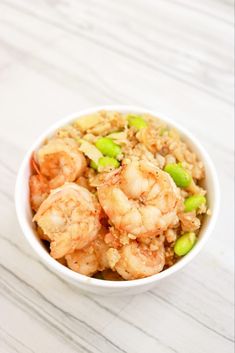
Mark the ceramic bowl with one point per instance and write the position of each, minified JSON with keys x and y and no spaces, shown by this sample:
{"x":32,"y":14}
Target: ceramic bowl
{"x":98,"y":286}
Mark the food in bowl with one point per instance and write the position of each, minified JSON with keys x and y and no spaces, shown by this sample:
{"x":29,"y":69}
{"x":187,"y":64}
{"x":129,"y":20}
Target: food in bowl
{"x":117,"y":196}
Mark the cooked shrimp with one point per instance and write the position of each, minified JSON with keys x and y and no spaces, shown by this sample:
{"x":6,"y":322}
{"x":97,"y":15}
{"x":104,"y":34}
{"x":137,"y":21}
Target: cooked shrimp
{"x":70,"y":218}
{"x":83,"y":261}
{"x":41,"y":235}
{"x":141,"y":199}
{"x":137,"y":260}
{"x":60,"y":161}
{"x":91,"y":259}
{"x":39,"y":190}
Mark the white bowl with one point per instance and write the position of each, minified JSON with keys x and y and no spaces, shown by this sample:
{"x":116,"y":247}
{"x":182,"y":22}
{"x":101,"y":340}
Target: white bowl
{"x":96,"y":285}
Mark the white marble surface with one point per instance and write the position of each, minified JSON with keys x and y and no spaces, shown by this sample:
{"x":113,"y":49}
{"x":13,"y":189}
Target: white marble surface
{"x":58,"y":56}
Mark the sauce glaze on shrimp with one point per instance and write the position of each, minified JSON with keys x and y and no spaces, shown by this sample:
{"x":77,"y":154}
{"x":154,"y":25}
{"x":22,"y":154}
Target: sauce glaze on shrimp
{"x":70,"y":218}
{"x":56,"y":162}
{"x":137,"y":260}
{"x":90,"y":259}
{"x":60,"y":161}
{"x":141,"y":199}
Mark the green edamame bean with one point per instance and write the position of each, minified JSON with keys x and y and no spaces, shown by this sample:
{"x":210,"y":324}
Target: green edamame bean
{"x":108,"y":162}
{"x":105,"y":162}
{"x":185,"y":243}
{"x":180,"y":176}
{"x":137,"y":121}
{"x":194,"y":202}
{"x":93,"y":165}
{"x":108,"y":147}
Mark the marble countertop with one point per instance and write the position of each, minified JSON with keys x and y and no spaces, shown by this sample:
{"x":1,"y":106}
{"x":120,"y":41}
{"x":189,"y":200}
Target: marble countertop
{"x":59,"y":56}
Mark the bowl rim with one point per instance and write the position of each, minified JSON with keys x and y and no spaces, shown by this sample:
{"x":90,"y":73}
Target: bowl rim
{"x":94,"y":282}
